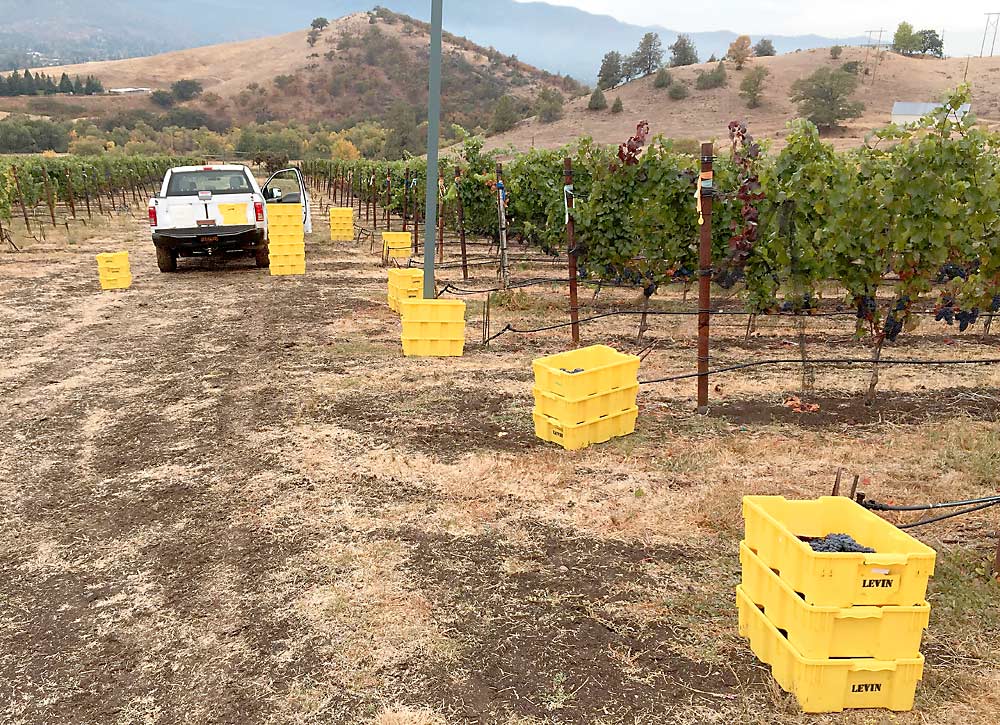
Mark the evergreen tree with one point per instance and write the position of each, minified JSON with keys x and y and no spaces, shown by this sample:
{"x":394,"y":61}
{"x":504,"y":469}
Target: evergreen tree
{"x":611,"y":71}
{"x":683,"y":52}
{"x":649,"y":55}
{"x":65,"y":84}
{"x":618,"y":106}
{"x":597,"y":101}
{"x":92,"y":86}
{"x":78,"y":86}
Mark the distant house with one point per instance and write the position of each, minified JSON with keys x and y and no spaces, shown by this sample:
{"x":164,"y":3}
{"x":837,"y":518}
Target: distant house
{"x":906,"y":113}
{"x":129,"y":91}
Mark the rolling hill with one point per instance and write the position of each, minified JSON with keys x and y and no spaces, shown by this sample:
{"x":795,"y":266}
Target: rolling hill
{"x":560,"y":39}
{"x":705,"y":115}
{"x":356,"y":71}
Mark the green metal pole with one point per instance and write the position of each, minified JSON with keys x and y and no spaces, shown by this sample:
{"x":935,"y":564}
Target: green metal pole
{"x":433,"y":133}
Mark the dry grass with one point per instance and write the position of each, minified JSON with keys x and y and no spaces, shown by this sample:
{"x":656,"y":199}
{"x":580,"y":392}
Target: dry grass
{"x":228,"y":496}
{"x":705,"y":115}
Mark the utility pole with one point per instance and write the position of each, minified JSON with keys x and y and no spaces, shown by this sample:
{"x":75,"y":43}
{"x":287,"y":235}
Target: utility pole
{"x":878,"y":52}
{"x":992,"y":21}
{"x":433,"y":135}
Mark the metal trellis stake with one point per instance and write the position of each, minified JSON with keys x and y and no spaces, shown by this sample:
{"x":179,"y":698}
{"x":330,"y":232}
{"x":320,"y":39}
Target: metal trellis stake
{"x":704,"y":195}
{"x":502,"y":211}
{"x":433,"y":134}
{"x":574,"y":303}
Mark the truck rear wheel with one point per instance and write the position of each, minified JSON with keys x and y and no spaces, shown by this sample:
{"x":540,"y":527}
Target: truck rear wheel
{"x":166,"y":260}
{"x":263,"y":257}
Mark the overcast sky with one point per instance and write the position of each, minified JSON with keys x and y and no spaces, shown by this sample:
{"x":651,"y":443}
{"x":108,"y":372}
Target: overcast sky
{"x":965,"y":21}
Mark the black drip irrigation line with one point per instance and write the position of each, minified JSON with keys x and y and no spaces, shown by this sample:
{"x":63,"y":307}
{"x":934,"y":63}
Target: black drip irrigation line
{"x":823,"y":361}
{"x":973,"y":504}
{"x":876,"y":506}
{"x":951,"y":515}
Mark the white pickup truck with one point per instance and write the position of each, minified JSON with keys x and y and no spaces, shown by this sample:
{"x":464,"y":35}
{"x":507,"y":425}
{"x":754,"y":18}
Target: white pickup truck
{"x":219,"y":210}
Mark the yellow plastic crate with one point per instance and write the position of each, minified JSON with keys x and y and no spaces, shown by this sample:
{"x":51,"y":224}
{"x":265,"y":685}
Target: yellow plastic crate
{"x":286,"y":247}
{"x":112,"y":259}
{"x":397,"y":245}
{"x":433,"y":348}
{"x":113,"y":282}
{"x":286,"y":270}
{"x":582,"y":435}
{"x":884,"y":633}
{"x":436,"y":310}
{"x":234,"y":214}
{"x":571,"y":412}
{"x":113,"y":264}
{"x":282,"y":260}
{"x":342,"y":224}
{"x":404,"y":284}
{"x":601,"y":370}
{"x":829,"y":685}
{"x":418,"y":330}
{"x":280,"y":212}
{"x":897,"y":574}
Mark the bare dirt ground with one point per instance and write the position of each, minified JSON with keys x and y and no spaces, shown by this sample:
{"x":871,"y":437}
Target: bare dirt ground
{"x":228,"y":498}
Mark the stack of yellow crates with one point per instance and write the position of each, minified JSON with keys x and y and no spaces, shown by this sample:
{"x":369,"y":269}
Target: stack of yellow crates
{"x":404,"y":284}
{"x":585,"y":396}
{"x":840,"y":630}
{"x":433,"y":328}
{"x":114,"y":271}
{"x":286,"y":239}
{"x":396,"y":245}
{"x":342,"y":224}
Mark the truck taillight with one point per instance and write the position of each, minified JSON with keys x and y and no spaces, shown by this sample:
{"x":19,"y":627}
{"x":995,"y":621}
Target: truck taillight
{"x":258,"y":209}
{"x":152,"y":216}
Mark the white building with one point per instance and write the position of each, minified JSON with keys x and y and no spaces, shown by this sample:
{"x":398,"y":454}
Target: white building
{"x":129,"y":91}
{"x":906,"y":113}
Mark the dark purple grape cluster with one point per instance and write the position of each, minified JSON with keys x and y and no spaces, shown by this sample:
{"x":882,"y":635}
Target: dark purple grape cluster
{"x":839,"y":544}
{"x":967,"y":318}
{"x":892,"y":327}
{"x":804,"y":304}
{"x":946,"y":311}
{"x":867,"y":307}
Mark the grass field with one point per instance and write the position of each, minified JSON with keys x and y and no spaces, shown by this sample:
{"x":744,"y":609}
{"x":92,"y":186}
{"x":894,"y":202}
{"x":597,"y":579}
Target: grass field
{"x":228,"y":498}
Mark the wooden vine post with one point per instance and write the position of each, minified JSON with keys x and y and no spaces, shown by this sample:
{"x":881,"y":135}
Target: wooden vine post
{"x":574,"y":304}
{"x":706,"y":183}
{"x":20,"y":199}
{"x":50,"y":198}
{"x":69,"y":193}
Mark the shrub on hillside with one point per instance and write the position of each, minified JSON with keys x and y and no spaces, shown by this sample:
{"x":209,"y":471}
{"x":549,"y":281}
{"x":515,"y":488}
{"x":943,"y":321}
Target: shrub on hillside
{"x":618,"y":107}
{"x":663,"y":79}
{"x":716,"y":78}
{"x":836,"y":51}
{"x":678,"y":91}
{"x":549,"y":105}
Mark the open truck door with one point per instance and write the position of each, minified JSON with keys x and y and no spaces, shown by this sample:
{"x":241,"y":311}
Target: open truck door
{"x":288,"y":186}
